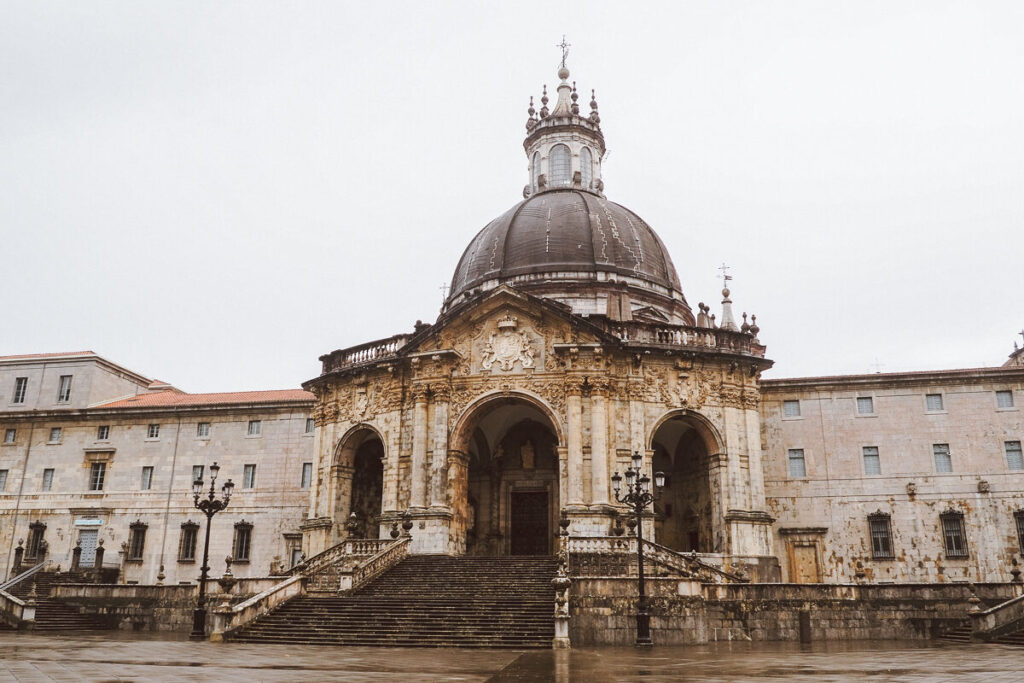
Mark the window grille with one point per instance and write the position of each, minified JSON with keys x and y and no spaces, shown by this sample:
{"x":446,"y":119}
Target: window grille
{"x":865,"y":405}
{"x":1004,"y":399}
{"x":560,"y":165}
{"x":137,"y":540}
{"x":953,"y":536}
{"x":1014,"y":458}
{"x":880,"y":525}
{"x":791,"y":408}
{"x":1018,"y":517}
{"x":934,"y":402}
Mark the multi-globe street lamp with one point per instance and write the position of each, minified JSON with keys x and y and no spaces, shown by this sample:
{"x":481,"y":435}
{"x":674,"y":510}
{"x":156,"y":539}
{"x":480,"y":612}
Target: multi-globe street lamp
{"x":638,"y":496}
{"x":209,"y":506}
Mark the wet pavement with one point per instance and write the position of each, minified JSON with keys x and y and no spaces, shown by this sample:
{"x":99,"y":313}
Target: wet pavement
{"x":159,"y":657}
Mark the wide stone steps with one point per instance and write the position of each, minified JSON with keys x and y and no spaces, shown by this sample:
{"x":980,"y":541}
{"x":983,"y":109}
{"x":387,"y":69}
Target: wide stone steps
{"x":427,"y":601}
{"x":53,"y":615}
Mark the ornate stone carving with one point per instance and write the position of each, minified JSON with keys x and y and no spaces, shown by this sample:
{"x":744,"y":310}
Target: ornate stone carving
{"x":508,"y":346}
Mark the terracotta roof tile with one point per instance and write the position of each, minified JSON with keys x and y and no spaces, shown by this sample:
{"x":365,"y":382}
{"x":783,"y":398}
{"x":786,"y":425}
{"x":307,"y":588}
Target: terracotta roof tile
{"x":180,"y":398}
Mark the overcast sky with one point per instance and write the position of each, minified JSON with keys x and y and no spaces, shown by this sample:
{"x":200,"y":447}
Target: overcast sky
{"x":215,"y":194}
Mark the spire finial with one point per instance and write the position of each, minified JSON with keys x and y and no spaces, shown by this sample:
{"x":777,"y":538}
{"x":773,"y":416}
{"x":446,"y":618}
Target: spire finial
{"x":728,"y":322}
{"x":565,"y":49}
{"x":544,"y":102}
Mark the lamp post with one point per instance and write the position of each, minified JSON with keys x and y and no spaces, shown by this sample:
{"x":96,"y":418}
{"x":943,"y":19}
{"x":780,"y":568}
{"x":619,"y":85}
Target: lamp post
{"x":209,"y":506}
{"x":638,"y":496}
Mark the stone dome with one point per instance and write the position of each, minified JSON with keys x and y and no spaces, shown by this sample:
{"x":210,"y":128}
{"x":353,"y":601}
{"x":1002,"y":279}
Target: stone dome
{"x":567,"y":235}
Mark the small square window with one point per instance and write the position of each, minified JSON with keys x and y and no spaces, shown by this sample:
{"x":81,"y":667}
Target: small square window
{"x":147,"y":478}
{"x":865,"y":405}
{"x":97,"y":473}
{"x":47,"y":479}
{"x":103,"y":433}
{"x":249,"y":476}
{"x":64,"y":393}
{"x":153,"y":431}
{"x":797,"y":464}
{"x":880,"y":526}
{"x":55,"y":434}
{"x":255,"y":426}
{"x":20,"y":387}
{"x":3,"y":480}
{"x":943,"y":460}
{"x":197,"y":472}
{"x":307,"y":475}
{"x":1014,"y":457}
{"x":10,"y":435}
{"x":203,"y":430}
{"x":1004,"y":399}
{"x":934,"y":403}
{"x":310,"y":425}
{"x":872,"y":463}
{"x":791,"y":408}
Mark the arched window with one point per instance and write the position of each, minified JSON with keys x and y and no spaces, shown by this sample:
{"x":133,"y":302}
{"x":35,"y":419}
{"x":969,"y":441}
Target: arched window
{"x":586,"y":167}
{"x":535,"y":170}
{"x":559,"y":165}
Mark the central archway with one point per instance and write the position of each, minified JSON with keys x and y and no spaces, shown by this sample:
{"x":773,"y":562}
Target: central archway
{"x":511,"y":499}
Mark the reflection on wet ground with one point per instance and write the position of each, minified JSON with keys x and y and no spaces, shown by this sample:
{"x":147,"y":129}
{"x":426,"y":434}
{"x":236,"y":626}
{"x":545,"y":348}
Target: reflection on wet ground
{"x":159,"y":657}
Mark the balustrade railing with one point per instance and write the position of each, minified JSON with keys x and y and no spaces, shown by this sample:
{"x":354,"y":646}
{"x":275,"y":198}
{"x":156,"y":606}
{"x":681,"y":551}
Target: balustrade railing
{"x":383,"y":560}
{"x":370,"y":352}
{"x":689,"y":565}
{"x":688,"y":337}
{"x":351,"y":547}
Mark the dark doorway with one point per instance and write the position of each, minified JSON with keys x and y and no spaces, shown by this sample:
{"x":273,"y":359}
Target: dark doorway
{"x":529,"y":523}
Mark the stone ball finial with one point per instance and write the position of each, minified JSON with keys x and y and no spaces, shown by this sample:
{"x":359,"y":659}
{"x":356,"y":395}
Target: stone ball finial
{"x":726,"y":292}
{"x":563,"y":73}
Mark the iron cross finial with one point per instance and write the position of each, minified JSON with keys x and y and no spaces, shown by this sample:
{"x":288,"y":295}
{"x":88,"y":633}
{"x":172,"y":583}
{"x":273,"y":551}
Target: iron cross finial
{"x":565,"y":49}
{"x":725,"y":274}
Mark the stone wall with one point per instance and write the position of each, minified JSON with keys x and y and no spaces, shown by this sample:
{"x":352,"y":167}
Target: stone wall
{"x":603,"y":610}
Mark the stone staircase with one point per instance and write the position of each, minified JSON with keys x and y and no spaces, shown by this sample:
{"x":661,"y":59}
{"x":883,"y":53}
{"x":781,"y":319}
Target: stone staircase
{"x":427,"y":601}
{"x":53,"y":615}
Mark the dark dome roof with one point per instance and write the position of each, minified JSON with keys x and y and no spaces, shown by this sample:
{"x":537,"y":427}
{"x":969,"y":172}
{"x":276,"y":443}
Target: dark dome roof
{"x":565,"y":231}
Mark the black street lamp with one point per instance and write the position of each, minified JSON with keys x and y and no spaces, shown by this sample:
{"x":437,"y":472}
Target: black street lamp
{"x":638,"y":496}
{"x":209,"y":506}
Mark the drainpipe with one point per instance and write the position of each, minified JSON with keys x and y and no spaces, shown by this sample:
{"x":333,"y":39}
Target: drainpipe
{"x":17,"y":502}
{"x":170,"y":490}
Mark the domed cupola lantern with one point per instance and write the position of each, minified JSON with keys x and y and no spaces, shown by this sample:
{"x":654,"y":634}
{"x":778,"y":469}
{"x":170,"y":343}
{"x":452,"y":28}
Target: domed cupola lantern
{"x":564,"y":148}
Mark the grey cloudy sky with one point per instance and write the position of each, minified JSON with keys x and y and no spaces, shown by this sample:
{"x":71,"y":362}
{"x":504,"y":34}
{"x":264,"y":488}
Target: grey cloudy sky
{"x":215,"y":194}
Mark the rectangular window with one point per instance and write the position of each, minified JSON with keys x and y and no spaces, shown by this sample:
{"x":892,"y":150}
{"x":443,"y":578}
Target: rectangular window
{"x":1004,"y":399}
{"x":55,"y":434}
{"x":64,"y":393}
{"x":953,"y":536}
{"x":10,"y":435}
{"x":137,"y":541}
{"x":933,"y":402}
{"x":203,"y":430}
{"x":254,"y":427}
{"x":791,"y":408}
{"x":881,"y":536}
{"x":197,"y":472}
{"x":797,"y":465}
{"x":36,"y":546}
{"x":1018,"y":516}
{"x":47,"y":479}
{"x":147,"y":478}
{"x":865,"y":405}
{"x":153,"y":432}
{"x":249,"y":477}
{"x":3,"y":480}
{"x":310,"y":425}
{"x":307,"y":474}
{"x":943,"y":461}
{"x":103,"y":433}
{"x":97,"y":473}
{"x":243,"y":541}
{"x":20,"y":387}
{"x":872,"y":463}
{"x":1014,"y":459}
{"x":187,"y":544}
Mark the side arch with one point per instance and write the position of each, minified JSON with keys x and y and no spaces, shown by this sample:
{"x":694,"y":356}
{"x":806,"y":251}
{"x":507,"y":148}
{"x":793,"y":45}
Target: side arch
{"x":462,"y":431}
{"x":713,"y":441}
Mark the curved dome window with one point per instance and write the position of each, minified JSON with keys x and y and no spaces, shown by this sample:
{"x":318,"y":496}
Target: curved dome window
{"x":535,"y":170}
{"x":560,"y":164}
{"x":586,"y":167}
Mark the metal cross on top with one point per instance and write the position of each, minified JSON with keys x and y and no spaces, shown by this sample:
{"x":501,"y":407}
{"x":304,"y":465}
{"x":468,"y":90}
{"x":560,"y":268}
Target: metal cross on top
{"x":725,"y":274}
{"x":565,"y":49}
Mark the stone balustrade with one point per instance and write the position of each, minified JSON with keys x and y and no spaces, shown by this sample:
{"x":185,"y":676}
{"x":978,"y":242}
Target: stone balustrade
{"x":390,"y":554}
{"x":1002,"y":619}
{"x":683,"y":336}
{"x":15,"y":612}
{"x":622,"y":549}
{"x":370,"y":352}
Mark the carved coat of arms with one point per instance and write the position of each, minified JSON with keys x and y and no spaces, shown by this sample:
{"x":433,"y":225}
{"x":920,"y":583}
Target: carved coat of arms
{"x":507,"y":346}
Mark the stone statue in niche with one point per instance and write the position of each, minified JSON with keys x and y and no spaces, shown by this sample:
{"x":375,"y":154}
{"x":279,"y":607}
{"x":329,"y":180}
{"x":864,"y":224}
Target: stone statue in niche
{"x":508,"y":346}
{"x":526,"y":454}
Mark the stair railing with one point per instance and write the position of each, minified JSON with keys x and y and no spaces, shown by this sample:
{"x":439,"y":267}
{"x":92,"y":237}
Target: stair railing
{"x":350,"y":547}
{"x":228,"y":618}
{"x":28,"y":573}
{"x":688,"y":565}
{"x":361,"y":574}
{"x":1000,"y":620}
{"x":16,"y":612}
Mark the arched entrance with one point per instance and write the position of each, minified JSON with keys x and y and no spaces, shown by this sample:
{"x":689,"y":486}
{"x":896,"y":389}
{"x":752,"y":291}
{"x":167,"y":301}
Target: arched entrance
{"x":683,"y":449}
{"x":512,"y":500}
{"x":359,"y":482}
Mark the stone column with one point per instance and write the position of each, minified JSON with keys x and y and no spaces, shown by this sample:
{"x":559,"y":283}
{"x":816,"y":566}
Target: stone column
{"x":458,"y":492}
{"x":574,"y":441}
{"x":419,"y":450}
{"x":599,"y":447}
{"x":439,"y":466}
{"x":391,"y":474}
